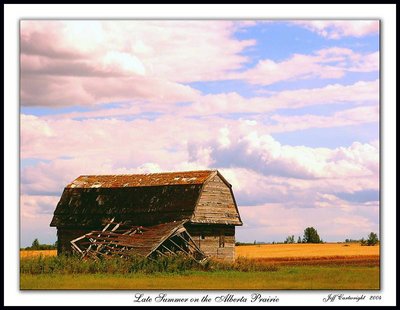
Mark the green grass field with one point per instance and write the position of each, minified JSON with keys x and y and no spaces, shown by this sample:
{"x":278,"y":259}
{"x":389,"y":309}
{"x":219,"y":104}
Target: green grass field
{"x":289,"y":277}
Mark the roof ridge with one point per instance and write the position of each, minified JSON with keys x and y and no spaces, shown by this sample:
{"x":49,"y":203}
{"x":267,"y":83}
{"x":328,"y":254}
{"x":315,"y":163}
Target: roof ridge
{"x":138,"y":180}
{"x":148,"y":173}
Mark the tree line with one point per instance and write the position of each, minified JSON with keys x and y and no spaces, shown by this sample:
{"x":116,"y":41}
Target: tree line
{"x":311,"y":236}
{"x":37,"y":246}
{"x":372,"y":239}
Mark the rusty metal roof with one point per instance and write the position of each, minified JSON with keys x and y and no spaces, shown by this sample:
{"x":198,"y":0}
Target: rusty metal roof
{"x":141,"y":180}
{"x":139,"y":205}
{"x":140,"y":199}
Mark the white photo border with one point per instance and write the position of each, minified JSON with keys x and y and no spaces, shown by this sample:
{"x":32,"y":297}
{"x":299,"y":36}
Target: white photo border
{"x":14,"y":12}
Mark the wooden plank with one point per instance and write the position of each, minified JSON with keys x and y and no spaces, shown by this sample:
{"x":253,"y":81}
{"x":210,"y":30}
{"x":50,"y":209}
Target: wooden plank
{"x":216,"y":203}
{"x":189,"y":243}
{"x":162,"y":254}
{"x":172,"y":252}
{"x":179,"y":246}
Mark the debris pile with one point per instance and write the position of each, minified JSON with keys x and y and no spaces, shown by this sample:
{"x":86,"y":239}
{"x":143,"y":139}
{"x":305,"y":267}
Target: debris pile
{"x":120,"y":239}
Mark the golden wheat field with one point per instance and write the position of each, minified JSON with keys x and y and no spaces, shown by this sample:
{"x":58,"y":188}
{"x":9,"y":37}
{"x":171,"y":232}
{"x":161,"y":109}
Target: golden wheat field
{"x":278,"y":251}
{"x":306,"y":250}
{"x":29,"y":253}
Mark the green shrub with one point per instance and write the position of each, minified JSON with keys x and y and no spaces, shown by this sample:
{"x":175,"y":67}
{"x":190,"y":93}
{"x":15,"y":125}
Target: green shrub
{"x":134,"y":264}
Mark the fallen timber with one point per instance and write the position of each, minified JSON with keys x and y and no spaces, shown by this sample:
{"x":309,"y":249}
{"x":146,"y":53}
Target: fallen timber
{"x":123,"y":240}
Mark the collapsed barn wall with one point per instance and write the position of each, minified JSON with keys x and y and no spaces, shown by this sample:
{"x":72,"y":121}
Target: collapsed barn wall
{"x":119,"y":239}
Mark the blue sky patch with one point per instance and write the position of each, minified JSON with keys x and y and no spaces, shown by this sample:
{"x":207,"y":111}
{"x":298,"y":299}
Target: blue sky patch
{"x":330,"y":138}
{"x":360,"y":196}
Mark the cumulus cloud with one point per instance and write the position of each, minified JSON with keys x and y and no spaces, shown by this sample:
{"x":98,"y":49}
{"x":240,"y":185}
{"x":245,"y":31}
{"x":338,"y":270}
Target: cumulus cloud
{"x":48,"y":179}
{"x":66,"y":91}
{"x":100,"y":146}
{"x":359,"y":115}
{"x":336,"y":29}
{"x":184,"y":137}
{"x":117,"y":140}
{"x":254,"y":188}
{"x":91,"y":62}
{"x":37,"y":205}
{"x":274,"y":222}
{"x":329,"y":63}
{"x":261,"y":152}
{"x":361,"y":92}
{"x":144,"y":68}
{"x":35,"y":213}
{"x":261,"y":170}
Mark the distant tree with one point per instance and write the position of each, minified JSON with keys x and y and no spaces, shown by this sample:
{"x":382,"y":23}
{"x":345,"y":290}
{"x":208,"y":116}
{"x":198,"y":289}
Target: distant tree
{"x":299,"y":240}
{"x":311,"y":236}
{"x":347,"y":240}
{"x":255,"y":242}
{"x":372,"y":239}
{"x":35,"y":244}
{"x":289,"y":239}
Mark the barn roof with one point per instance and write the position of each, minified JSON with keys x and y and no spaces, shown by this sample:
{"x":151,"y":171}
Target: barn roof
{"x":140,"y":199}
{"x":141,"y":180}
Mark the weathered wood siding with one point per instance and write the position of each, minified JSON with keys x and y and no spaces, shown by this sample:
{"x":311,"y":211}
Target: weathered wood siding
{"x":65,"y":236}
{"x":84,"y":207}
{"x":209,"y":236}
{"x":216,"y":204}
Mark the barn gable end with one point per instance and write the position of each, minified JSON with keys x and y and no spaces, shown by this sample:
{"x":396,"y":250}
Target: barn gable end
{"x":216,"y":204}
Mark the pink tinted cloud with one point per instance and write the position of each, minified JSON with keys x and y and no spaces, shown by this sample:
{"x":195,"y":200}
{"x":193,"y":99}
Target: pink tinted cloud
{"x":53,"y":91}
{"x":336,"y":29}
{"x":256,"y":188}
{"x":354,"y":116}
{"x":330,"y":63}
{"x":34,"y":207}
{"x":112,"y":146}
{"x":44,"y":38}
{"x":111,"y":138}
{"x":358,"y":93}
{"x":117,"y":146}
{"x":107,"y":137}
{"x":261,"y":152}
{"x":36,"y":213}
{"x":366,"y":64}
{"x":89,"y":62}
{"x":274,"y":222}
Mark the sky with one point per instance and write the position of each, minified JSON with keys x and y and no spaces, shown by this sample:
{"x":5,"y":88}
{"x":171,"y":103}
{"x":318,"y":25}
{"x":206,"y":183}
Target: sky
{"x":287,"y":111}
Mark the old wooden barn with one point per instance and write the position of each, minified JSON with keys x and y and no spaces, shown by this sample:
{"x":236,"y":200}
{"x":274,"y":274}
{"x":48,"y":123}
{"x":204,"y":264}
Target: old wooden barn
{"x":148,"y":214}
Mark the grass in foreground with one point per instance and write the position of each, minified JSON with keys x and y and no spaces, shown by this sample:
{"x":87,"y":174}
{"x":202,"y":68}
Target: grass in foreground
{"x":134,"y":264}
{"x":294,"y":277}
{"x":182,"y":273}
